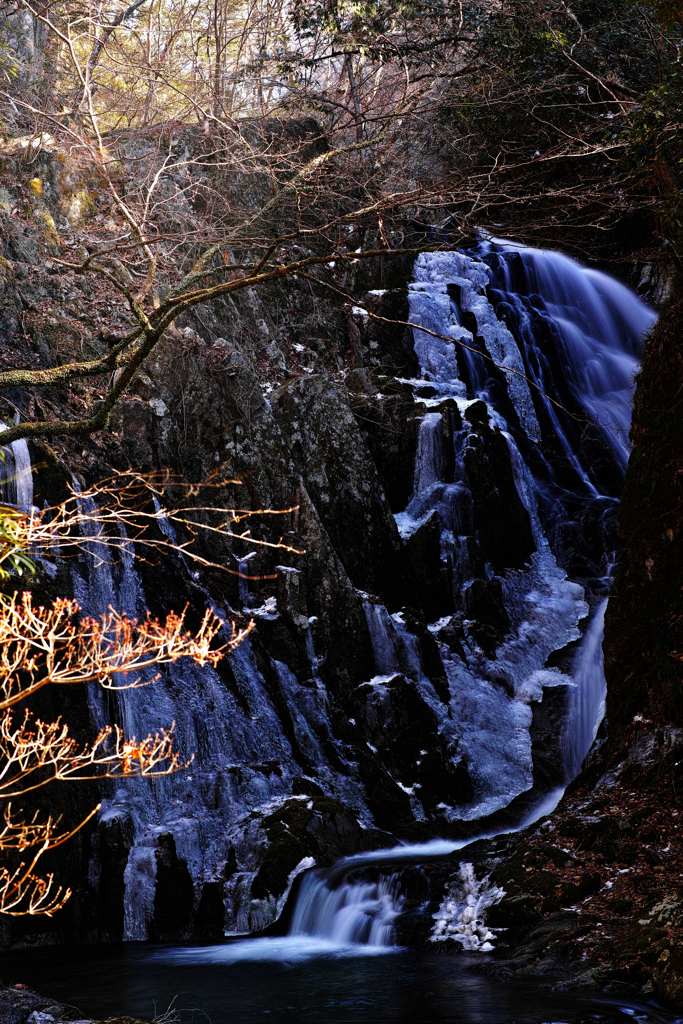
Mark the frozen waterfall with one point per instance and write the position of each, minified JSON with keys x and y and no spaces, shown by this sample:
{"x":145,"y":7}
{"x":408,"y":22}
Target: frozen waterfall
{"x":571,"y":335}
{"x":521,"y":408}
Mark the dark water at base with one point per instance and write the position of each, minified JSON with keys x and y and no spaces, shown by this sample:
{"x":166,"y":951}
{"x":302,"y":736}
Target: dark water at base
{"x":219,"y":984}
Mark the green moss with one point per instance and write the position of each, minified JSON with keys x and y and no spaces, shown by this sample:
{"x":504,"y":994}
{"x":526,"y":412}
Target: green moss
{"x":81,"y":208}
{"x":43,"y":215}
{"x":572,"y":892}
{"x":288,"y":844}
{"x":294,"y":815}
{"x":541,"y":883}
{"x":642,"y":942}
{"x":283,"y":855}
{"x":326,"y":805}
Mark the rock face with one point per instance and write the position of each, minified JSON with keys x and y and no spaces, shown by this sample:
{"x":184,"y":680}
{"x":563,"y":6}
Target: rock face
{"x":643,"y":638}
{"x":667,"y":977}
{"x":591,"y":893}
{"x":403,"y":678}
{"x":21,"y":1005}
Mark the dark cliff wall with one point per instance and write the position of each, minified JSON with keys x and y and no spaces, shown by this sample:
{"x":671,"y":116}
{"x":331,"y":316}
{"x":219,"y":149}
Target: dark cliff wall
{"x":644,"y":621}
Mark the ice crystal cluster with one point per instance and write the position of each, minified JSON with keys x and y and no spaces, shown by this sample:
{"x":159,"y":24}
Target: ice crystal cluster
{"x":461,"y":915}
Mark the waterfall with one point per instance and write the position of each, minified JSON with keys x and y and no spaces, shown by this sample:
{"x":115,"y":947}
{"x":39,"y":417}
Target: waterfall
{"x":243,"y":581}
{"x":228,"y":780}
{"x":16,"y":486}
{"x":520,"y":447}
{"x":596,"y":324}
{"x":570,"y":334}
{"x":429,"y":457}
{"x":562,"y":343}
{"x":356,"y":912}
{"x":588,"y":695}
{"x":346,"y":911}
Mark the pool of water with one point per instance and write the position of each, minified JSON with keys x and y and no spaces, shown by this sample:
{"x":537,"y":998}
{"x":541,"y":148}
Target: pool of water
{"x":301,"y":982}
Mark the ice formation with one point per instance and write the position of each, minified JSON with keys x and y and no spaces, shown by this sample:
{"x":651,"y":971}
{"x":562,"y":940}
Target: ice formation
{"x":462,"y":913}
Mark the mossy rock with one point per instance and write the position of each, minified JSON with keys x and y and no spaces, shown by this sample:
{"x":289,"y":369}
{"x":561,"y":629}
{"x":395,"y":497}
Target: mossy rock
{"x":644,"y":621}
{"x":288,"y":845}
{"x":320,"y":828}
{"x":82,"y":208}
{"x":6,"y":270}
{"x":553,"y":853}
{"x":44,"y":217}
{"x":122,"y":1020}
{"x":294,"y":815}
{"x":517,"y":914}
{"x":572,"y":892}
{"x":667,"y":977}
{"x":327,"y":805}
{"x":514,"y":876}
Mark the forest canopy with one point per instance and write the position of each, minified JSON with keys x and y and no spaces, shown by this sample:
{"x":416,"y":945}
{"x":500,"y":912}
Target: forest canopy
{"x":531,"y":116}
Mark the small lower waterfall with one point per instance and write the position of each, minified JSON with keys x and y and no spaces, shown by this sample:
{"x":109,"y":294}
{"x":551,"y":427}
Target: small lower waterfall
{"x":355,"y":912}
{"x":588,"y":694}
{"x":338,"y":906}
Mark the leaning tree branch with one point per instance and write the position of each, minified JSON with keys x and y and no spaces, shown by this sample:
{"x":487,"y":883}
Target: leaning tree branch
{"x":151,"y":334}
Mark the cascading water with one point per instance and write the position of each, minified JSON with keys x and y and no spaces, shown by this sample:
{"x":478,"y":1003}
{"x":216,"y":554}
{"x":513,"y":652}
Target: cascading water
{"x":194,"y":809}
{"x":587,"y":701}
{"x":513,"y":499}
{"x":520,"y":444}
{"x":594,"y":326}
{"x":16,"y":484}
{"x":570,"y":336}
{"x":357,"y":912}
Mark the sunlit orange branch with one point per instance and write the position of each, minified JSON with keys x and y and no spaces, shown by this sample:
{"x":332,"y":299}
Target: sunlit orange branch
{"x":20,"y":835}
{"x":42,"y":645}
{"x":118,"y":511}
{"x":51,"y":645}
{"x":23,"y":893}
{"x":35,"y":753}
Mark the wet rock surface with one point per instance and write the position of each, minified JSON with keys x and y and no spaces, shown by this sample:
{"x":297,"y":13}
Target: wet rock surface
{"x":643,"y":639}
{"x":21,"y":1005}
